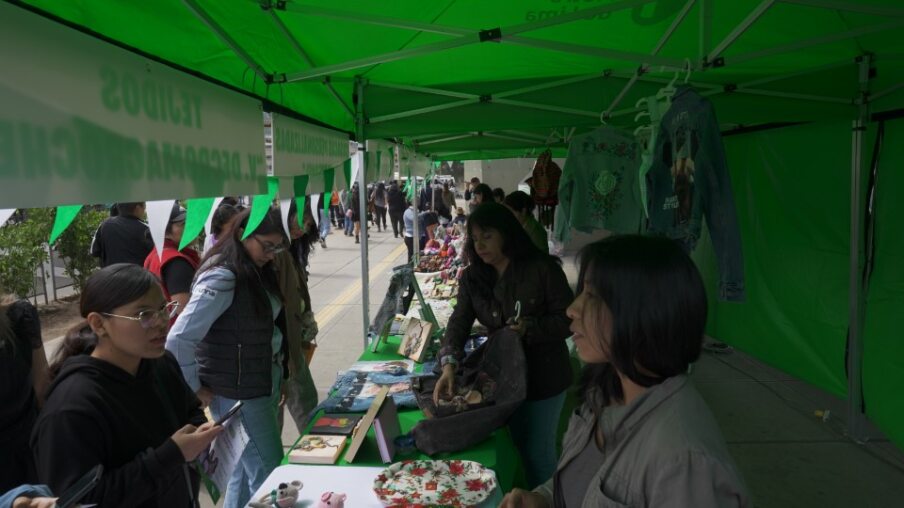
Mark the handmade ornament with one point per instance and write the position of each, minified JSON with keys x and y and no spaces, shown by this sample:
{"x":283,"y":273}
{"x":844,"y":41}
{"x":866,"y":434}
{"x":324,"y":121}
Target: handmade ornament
{"x":284,"y":496}
{"x":332,"y":500}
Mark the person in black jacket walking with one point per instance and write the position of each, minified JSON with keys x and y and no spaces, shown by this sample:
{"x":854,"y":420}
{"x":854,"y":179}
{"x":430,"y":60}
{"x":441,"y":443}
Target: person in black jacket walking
{"x":507,"y":268}
{"x":124,"y":238}
{"x":396,"y":202}
{"x":118,"y":399}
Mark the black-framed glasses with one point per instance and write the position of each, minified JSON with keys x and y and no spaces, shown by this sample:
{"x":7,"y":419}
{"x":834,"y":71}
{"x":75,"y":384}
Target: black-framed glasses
{"x":151,"y":318}
{"x":268,"y":247}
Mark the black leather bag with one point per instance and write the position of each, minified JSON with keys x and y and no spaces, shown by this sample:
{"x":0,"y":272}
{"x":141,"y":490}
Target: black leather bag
{"x":499,"y":369}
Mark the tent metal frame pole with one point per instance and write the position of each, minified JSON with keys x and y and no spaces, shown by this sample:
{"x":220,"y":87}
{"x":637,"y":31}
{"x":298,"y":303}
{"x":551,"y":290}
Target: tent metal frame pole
{"x":887,"y":91}
{"x":705,"y":14}
{"x":544,"y":107}
{"x":848,"y":6}
{"x":307,"y":58}
{"x":788,"y":95}
{"x":815,"y":41}
{"x":523,"y":134}
{"x":679,"y":18}
{"x":510,"y":138}
{"x":215,"y":27}
{"x":392,"y":56}
{"x":405,"y":24}
{"x":424,"y":89}
{"x":565,"y":47}
{"x":442,"y":140}
{"x":422,"y":111}
{"x":739,"y":30}
{"x":856,"y":423}
{"x":464,"y":37}
{"x":546,"y":86}
{"x":361,"y":135}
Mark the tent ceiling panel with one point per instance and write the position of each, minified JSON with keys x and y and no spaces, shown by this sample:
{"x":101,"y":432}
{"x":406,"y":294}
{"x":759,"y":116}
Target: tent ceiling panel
{"x":311,"y":34}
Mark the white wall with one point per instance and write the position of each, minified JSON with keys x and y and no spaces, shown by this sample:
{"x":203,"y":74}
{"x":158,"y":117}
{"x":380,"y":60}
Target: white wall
{"x":508,"y":173}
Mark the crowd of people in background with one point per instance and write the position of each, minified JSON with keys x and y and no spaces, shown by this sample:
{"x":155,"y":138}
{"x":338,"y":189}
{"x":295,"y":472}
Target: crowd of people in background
{"x":166,"y":335}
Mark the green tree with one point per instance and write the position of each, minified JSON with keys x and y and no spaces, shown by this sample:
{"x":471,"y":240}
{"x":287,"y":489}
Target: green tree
{"x":23,"y":249}
{"x":74,"y":246}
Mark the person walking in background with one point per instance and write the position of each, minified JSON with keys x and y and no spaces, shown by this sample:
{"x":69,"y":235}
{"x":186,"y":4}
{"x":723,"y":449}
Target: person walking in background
{"x":482,"y":193}
{"x":23,"y":383}
{"x":506,"y":267}
{"x":448,"y":197}
{"x":346,"y":201}
{"x":324,"y":226}
{"x":124,"y":238}
{"x":523,"y":207}
{"x":469,"y":190}
{"x":175,"y":268}
{"x":498,"y":195}
{"x":378,"y":196}
{"x":230,"y":343}
{"x":118,"y":399}
{"x":354,"y":207}
{"x":643,"y":435}
{"x":409,"y":217}
{"x":337,"y":216}
{"x":395,"y":200}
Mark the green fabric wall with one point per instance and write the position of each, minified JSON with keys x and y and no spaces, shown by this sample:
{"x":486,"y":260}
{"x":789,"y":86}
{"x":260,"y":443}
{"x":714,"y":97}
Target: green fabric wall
{"x":791,"y":188}
{"x":883,"y":353}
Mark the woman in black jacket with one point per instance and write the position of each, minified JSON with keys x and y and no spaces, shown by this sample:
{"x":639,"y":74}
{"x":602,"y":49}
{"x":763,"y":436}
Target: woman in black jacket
{"x":506,"y":268}
{"x":118,"y":399}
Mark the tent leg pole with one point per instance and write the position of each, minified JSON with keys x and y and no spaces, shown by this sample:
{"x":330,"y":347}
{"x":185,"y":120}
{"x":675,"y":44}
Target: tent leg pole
{"x":362,"y":205}
{"x":856,"y":419}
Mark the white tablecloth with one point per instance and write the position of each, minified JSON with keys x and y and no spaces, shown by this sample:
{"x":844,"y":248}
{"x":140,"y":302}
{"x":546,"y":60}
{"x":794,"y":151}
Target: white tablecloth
{"x":355,"y":482}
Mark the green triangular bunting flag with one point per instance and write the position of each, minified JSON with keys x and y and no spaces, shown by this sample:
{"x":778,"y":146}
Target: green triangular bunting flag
{"x":260,"y":205}
{"x":196,"y":212}
{"x":64,"y":217}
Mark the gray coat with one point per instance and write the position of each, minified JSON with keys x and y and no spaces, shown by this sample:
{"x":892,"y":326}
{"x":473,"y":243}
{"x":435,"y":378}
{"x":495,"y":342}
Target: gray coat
{"x":664,"y":450}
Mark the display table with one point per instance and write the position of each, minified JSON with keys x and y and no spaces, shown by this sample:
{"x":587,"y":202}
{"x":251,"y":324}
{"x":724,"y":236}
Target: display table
{"x":354,"y":482}
{"x":497,"y":452}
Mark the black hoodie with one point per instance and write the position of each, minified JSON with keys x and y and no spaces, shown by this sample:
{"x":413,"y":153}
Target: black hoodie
{"x":97,"y":413}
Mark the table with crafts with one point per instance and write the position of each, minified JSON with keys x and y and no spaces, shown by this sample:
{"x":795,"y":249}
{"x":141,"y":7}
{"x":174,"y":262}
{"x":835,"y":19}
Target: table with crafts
{"x":358,"y":480}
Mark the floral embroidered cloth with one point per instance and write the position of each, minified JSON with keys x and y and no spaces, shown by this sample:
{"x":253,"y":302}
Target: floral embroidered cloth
{"x":422,"y":483}
{"x":599,"y":188}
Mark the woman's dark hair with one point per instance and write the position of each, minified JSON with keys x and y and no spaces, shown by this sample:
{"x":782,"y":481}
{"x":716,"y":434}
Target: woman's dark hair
{"x":486,"y":193}
{"x":381,"y":190}
{"x":221,"y":218}
{"x":498,"y":194}
{"x":658,"y":306}
{"x":105,"y":290}
{"x":302,"y":247}
{"x":439,"y":206}
{"x":230,"y":252}
{"x":516,"y":244}
{"x":520,"y":202}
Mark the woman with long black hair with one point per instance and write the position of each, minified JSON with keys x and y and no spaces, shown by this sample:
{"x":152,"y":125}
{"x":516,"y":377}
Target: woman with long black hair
{"x":506,"y":268}
{"x":118,"y":399}
{"x":229,"y":343}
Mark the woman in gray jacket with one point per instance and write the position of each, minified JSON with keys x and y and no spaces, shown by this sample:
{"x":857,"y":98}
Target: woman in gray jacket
{"x":230,"y":343}
{"x":643,"y":435}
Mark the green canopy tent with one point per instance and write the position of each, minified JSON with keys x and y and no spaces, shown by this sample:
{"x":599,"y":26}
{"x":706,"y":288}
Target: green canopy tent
{"x":472,"y":80}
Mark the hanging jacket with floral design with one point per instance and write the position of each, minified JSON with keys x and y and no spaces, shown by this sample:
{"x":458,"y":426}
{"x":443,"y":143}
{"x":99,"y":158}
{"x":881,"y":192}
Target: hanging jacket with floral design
{"x":599,"y":188}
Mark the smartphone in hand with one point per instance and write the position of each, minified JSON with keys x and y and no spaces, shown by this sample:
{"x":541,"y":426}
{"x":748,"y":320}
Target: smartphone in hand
{"x":81,"y":488}
{"x":229,"y":414}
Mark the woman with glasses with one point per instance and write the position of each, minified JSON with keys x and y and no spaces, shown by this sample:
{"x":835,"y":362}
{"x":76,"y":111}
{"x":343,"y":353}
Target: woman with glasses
{"x":229,"y":343}
{"x":118,"y":399}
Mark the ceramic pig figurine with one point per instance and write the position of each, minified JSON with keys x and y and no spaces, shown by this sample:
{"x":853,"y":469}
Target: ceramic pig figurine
{"x":332,"y":500}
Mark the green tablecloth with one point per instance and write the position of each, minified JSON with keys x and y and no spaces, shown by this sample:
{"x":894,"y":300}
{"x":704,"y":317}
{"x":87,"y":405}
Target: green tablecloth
{"x":497,"y":452}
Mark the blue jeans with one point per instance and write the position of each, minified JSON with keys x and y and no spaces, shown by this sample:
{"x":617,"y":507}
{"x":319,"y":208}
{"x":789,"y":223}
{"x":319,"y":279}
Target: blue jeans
{"x":534,"y":426}
{"x":264,"y":451}
{"x":349,"y":225}
{"x":324,"y":224}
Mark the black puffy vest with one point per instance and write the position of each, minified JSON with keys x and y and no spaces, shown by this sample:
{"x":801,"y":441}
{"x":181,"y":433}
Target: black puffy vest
{"x":236,"y":356}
